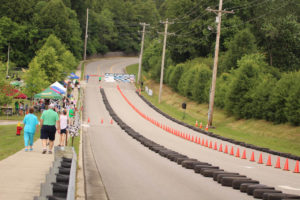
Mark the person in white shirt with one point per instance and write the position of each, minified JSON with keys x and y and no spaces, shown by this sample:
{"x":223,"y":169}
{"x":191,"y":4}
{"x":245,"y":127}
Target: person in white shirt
{"x":63,"y":128}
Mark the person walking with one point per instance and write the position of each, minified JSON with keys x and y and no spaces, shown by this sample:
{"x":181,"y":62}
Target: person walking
{"x":31,"y":123}
{"x":48,"y":120}
{"x":71,"y":113}
{"x":63,"y":118}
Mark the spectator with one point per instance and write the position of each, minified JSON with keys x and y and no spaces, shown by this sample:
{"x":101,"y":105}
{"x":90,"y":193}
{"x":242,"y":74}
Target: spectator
{"x":63,"y":127}
{"x":31,"y":123}
{"x":17,"y":107}
{"x":71,"y":113}
{"x":48,"y":120}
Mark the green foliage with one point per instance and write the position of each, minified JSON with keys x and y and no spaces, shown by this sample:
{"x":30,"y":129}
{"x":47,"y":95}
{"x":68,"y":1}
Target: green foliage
{"x":35,"y":79}
{"x":292,"y":106}
{"x":201,"y":83}
{"x":54,"y":17}
{"x":52,"y":63}
{"x":4,"y":86}
{"x":186,"y":81}
{"x":175,"y":76}
{"x":222,"y":89}
{"x":238,"y":99}
{"x":243,"y":43}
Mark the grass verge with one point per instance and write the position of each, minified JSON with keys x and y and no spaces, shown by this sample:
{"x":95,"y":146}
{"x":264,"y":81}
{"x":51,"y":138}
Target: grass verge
{"x":9,"y":142}
{"x":282,"y":137}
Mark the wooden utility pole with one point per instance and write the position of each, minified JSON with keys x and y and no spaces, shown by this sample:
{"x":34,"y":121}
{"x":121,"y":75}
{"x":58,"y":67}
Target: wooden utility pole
{"x":215,"y":68}
{"x":163,"y":57}
{"x":142,"y":49}
{"x":7,"y":65}
{"x":86,"y":33}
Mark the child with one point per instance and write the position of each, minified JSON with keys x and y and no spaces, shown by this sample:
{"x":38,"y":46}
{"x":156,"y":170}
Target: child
{"x":19,"y":129}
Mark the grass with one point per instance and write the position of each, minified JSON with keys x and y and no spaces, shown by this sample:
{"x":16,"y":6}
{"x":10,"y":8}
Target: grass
{"x":10,"y":143}
{"x":282,"y":137}
{"x":82,"y":71}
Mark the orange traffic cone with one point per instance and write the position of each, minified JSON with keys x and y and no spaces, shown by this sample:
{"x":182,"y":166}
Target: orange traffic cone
{"x":111,"y":121}
{"x":232,"y":151}
{"x":286,"y":166}
{"x":278,"y":163}
{"x":199,"y":141}
{"x":101,"y":121}
{"x":206,"y":143}
{"x":260,"y":160}
{"x":200,"y":126}
{"x":210,"y":145}
{"x":252,"y":159}
{"x":196,"y":124}
{"x":244,"y":154}
{"x":89,"y":120}
{"x":221,"y":148}
{"x":216,"y":146}
{"x":206,"y":128}
{"x":226,"y":149}
{"x":269,"y":162}
{"x":237,"y":153}
{"x":203,"y":142}
{"x":296,"y":170}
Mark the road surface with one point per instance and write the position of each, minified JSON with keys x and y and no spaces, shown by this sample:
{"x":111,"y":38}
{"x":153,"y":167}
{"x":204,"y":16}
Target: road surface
{"x":119,"y":167}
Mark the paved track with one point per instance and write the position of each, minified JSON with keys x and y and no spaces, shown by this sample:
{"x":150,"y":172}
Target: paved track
{"x":131,"y":171}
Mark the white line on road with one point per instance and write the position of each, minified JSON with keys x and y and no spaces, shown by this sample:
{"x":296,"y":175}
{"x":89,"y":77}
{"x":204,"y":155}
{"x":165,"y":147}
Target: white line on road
{"x":288,"y":187}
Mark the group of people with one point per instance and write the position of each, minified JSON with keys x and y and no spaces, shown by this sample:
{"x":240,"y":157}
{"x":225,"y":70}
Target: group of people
{"x":51,"y":121}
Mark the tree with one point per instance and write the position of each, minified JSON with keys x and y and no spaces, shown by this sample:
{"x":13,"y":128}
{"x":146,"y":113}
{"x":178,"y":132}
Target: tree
{"x":4,"y":86}
{"x":292,"y":106}
{"x":243,"y":43}
{"x":35,"y":79}
{"x":54,"y":17}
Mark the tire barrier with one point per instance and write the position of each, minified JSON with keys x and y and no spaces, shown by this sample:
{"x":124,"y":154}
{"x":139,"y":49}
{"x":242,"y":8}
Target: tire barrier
{"x":251,"y":146}
{"x":60,"y":181}
{"x":232,"y":179}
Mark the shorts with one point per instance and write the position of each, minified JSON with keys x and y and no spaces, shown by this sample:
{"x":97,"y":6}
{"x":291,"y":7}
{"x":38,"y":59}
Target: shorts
{"x":63,"y":131}
{"x":48,"y":132}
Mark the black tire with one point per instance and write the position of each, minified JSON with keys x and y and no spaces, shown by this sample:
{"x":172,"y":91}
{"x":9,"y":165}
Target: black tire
{"x":209,"y":172}
{"x":197,"y":168}
{"x":221,"y":176}
{"x":251,"y":188}
{"x":191,"y":164}
{"x":236,"y":184}
{"x":227,"y":181}
{"x":258,"y":193}
{"x":244,"y":186}
{"x":180,"y":160}
{"x":215,"y":174}
{"x":279,"y":196}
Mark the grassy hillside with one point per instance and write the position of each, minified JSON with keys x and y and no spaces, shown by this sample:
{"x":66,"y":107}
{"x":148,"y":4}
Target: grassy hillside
{"x":283,"y":137}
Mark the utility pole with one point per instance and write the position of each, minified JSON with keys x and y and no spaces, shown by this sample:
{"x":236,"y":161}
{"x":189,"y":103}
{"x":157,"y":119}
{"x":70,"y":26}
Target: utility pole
{"x":7,"y":65}
{"x":215,"y":68}
{"x":142,"y":49}
{"x":86,"y":33}
{"x":163,"y":57}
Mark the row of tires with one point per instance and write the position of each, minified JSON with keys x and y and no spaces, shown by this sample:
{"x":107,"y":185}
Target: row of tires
{"x":225,"y":178}
{"x":251,"y":146}
{"x":57,"y":181}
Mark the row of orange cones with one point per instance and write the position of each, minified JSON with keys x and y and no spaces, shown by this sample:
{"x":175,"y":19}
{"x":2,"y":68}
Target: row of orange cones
{"x":205,"y":143}
{"x":201,"y":126}
{"x":102,"y":121}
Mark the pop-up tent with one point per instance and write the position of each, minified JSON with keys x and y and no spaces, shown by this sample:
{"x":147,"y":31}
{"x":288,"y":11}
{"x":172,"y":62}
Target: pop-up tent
{"x":73,"y":76}
{"x":58,"y":88}
{"x":48,"y":94}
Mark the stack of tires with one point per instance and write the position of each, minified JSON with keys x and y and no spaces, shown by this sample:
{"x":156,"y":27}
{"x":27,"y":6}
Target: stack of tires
{"x":60,"y":181}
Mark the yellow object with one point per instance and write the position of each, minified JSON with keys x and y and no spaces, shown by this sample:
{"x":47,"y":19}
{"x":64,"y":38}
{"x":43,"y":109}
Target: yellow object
{"x":19,"y":124}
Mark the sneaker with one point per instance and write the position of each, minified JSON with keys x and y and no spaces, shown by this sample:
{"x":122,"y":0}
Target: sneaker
{"x":49,"y":152}
{"x":44,"y":151}
{"x":26,"y":150}
{"x":30,"y":149}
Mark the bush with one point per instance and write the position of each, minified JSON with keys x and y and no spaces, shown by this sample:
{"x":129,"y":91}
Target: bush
{"x":175,"y":76}
{"x":201,"y":84}
{"x":292,"y":106}
{"x":222,"y":86}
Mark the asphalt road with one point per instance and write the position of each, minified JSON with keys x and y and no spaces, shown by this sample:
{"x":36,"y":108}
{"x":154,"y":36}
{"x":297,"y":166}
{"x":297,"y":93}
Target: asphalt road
{"x":130,"y":171}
